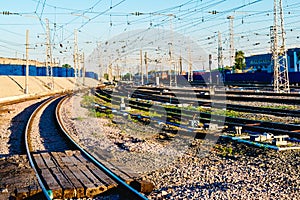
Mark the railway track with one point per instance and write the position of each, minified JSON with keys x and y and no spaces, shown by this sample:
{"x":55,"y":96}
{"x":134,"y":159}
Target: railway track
{"x":292,"y":130}
{"x":188,"y":94}
{"x":63,"y":168}
{"x":209,"y":103}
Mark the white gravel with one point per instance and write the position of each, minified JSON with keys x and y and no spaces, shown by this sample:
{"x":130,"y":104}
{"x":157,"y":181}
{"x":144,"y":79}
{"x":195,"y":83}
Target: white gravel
{"x":12,"y":126}
{"x":122,"y":143}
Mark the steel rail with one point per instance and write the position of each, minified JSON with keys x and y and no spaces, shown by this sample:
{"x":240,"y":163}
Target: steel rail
{"x":134,"y":193}
{"x":174,"y":99}
{"x":29,"y":148}
{"x":250,"y":125}
{"x":185,"y":91}
{"x":235,"y":107}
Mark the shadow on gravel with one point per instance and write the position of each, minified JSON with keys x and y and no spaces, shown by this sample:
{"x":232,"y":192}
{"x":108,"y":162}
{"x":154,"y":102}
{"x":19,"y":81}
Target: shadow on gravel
{"x":18,"y":124}
{"x":49,"y":131}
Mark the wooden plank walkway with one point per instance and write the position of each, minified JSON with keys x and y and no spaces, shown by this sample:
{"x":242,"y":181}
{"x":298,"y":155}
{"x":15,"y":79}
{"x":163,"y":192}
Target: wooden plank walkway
{"x":70,"y":175}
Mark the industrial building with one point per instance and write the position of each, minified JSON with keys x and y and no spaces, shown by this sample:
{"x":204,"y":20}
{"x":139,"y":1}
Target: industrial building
{"x":263,"y":62}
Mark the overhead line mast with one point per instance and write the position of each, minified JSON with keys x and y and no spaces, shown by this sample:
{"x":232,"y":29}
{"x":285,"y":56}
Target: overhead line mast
{"x":76,"y":74}
{"x":231,"y":46}
{"x":278,"y":48}
{"x":49,"y":70}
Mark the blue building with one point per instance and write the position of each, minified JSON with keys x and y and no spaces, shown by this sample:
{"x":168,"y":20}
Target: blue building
{"x":263,"y":62}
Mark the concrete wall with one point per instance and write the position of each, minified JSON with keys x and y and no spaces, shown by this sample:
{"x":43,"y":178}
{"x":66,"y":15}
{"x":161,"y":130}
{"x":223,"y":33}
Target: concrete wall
{"x":39,"y":85}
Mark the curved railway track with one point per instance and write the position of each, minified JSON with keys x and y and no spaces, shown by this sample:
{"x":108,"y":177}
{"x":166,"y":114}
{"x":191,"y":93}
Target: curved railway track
{"x":63,"y":168}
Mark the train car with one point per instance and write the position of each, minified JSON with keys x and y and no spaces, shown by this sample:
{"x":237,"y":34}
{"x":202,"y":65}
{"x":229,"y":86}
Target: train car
{"x":244,"y":78}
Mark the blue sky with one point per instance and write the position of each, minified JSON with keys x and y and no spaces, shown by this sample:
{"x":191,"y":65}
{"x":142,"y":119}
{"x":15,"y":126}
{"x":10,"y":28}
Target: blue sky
{"x":100,"y":20}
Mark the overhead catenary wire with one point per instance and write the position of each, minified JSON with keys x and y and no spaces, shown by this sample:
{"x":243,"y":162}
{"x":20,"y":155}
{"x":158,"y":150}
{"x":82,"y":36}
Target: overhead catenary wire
{"x":189,"y":14}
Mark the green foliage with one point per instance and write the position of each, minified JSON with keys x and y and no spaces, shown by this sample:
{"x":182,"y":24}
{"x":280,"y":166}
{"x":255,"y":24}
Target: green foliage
{"x":100,"y":115}
{"x":110,"y":116}
{"x":66,"y":66}
{"x":240,"y":60}
{"x":127,"y":76}
{"x":87,"y":101}
{"x":227,"y":67}
{"x":134,"y":120}
{"x":105,"y":76}
{"x":224,"y":150}
{"x":283,"y":107}
{"x":79,"y":118}
{"x":191,"y":108}
{"x":228,"y":113}
{"x":232,"y":113}
{"x":104,"y":115}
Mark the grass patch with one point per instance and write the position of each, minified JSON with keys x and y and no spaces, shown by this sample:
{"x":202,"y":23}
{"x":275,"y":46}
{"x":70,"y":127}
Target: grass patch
{"x":283,"y":107}
{"x":227,"y":113}
{"x":79,"y":118}
{"x":224,"y":150}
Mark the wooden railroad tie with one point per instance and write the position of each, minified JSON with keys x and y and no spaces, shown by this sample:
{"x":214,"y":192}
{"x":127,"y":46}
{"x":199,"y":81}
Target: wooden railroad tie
{"x":70,"y":175}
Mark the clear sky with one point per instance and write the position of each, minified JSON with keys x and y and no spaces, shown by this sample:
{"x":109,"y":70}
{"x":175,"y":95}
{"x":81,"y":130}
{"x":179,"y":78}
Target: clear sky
{"x":97,"y":21}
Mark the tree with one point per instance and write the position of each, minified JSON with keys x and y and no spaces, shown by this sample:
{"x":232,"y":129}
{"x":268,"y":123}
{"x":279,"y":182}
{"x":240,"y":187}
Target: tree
{"x":239,"y":60}
{"x":66,"y":66}
{"x":127,"y":76}
{"x":105,"y":76}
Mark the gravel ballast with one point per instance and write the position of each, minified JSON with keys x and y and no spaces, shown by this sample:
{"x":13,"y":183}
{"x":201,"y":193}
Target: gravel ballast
{"x":201,"y":169}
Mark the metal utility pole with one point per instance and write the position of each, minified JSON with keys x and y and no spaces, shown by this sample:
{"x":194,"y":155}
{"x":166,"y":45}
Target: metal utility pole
{"x":49,"y":56}
{"x":209,"y":64}
{"x":176,"y":72}
{"x":180,"y":65}
{"x":231,"y":46}
{"x":75,"y":56}
{"x":211,"y":87}
{"x":220,"y":51}
{"x":171,"y":51}
{"x":220,"y":55}
{"x":278,"y":48}
{"x":141,"y":67}
{"x":27,"y":64}
{"x":109,"y":68}
{"x":190,"y":73}
{"x":110,"y":72}
{"x":83,"y":68}
{"x":146,"y":64}
{"x":100,"y":73}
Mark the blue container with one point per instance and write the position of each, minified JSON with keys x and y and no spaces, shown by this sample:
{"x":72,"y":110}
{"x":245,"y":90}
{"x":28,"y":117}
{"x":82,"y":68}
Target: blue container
{"x":41,"y":71}
{"x":63,"y":72}
{"x":17,"y":70}
{"x":55,"y":71}
{"x":32,"y":70}
{"x":5,"y":69}
{"x":89,"y":74}
{"x":70,"y":72}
